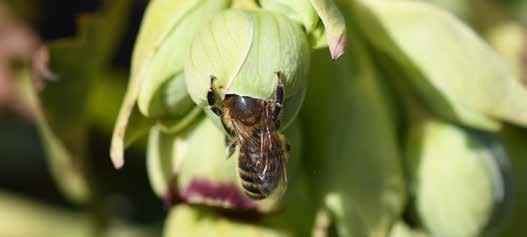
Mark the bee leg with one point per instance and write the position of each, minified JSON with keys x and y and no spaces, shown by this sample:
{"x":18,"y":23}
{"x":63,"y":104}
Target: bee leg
{"x":231,"y":147}
{"x":279,"y":98}
{"x":211,"y":98}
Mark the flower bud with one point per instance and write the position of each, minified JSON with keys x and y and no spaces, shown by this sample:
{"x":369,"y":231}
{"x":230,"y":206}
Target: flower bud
{"x":179,"y":163}
{"x":244,"y":50}
{"x":457,"y":178}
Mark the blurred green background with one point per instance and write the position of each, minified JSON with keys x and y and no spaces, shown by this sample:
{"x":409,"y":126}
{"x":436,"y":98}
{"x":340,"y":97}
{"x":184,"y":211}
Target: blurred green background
{"x":24,"y":170}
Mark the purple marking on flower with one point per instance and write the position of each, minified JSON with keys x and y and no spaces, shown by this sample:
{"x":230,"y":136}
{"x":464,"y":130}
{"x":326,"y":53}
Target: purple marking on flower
{"x":338,"y":49}
{"x":213,"y":192}
{"x":168,"y":200}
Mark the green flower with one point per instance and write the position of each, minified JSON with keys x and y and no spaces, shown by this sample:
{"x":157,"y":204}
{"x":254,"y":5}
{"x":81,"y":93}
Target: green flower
{"x":244,"y":50}
{"x":192,"y":166}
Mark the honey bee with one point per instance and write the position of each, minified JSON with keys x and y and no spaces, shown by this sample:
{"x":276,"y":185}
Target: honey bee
{"x":253,"y":126}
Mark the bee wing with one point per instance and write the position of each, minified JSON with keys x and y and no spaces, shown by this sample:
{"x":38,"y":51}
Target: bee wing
{"x":271,"y":168}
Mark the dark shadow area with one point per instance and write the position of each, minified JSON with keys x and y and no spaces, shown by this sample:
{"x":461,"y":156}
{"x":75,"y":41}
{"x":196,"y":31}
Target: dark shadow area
{"x":23,"y":165}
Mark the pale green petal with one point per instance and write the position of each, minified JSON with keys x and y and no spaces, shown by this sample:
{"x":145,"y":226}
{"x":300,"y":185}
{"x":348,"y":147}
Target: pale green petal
{"x":345,"y":216}
{"x":401,"y":229}
{"x":22,"y":217}
{"x":185,"y":220}
{"x":299,"y":10}
{"x":196,"y":157}
{"x":461,"y":8}
{"x":297,"y":215}
{"x":203,"y":156}
{"x":456,"y":179}
{"x":159,"y":163}
{"x":457,"y":74}
{"x":509,"y":39}
{"x":244,"y":50}
{"x":159,"y":54}
{"x":351,"y":146}
{"x":334,"y":24}
{"x":159,"y":59}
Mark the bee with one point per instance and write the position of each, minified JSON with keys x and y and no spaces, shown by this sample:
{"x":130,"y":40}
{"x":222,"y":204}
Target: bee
{"x":253,"y":126}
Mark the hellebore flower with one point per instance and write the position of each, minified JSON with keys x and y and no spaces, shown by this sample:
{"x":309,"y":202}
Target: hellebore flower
{"x":351,"y":135}
{"x":192,"y":166}
{"x":180,"y":45}
{"x":162,"y":48}
{"x":244,"y":50}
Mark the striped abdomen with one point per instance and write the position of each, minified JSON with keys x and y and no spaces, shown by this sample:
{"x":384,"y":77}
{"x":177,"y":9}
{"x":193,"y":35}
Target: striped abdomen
{"x":259,"y":175}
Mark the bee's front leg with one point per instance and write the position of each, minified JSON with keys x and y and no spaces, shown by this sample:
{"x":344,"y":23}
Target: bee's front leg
{"x":279,"y":96}
{"x":231,"y":146}
{"x":211,"y":98}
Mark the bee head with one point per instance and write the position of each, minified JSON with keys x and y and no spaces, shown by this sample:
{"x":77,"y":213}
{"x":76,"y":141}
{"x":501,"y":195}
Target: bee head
{"x":245,"y":109}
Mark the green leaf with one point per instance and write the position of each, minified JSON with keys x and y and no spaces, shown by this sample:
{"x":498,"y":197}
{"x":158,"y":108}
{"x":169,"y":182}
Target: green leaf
{"x":456,"y":74}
